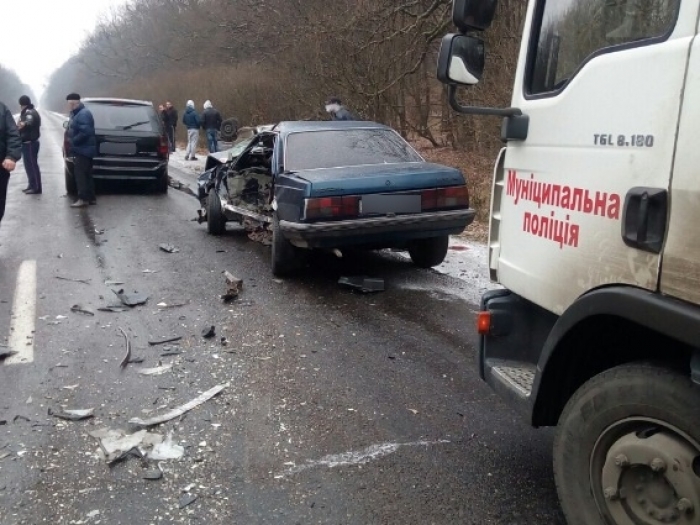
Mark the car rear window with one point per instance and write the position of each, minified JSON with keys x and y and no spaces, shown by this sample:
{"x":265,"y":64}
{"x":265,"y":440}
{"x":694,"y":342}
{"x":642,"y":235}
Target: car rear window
{"x":342,"y":148}
{"x":124,"y":117}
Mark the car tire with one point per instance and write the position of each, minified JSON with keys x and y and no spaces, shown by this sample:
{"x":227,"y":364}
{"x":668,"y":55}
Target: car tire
{"x":71,"y":186}
{"x":615,"y":427}
{"x":429,"y":252}
{"x":286,"y":258}
{"x":216,"y":220}
{"x":229,"y":129}
{"x":162,"y":183}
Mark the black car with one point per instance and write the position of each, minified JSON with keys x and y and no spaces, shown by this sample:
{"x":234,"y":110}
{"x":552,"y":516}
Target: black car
{"x":131,"y":144}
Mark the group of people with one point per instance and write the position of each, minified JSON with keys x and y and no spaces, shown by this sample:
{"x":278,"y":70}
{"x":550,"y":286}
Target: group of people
{"x":21,"y":140}
{"x":210,"y":120}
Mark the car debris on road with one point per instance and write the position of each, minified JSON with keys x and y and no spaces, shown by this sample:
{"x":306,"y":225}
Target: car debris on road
{"x":177,"y":412}
{"x":73,"y":415}
{"x":131,"y":298}
{"x":363,"y":284}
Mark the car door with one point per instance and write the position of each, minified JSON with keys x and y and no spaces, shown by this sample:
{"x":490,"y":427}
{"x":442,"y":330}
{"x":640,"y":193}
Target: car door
{"x":601,"y":83}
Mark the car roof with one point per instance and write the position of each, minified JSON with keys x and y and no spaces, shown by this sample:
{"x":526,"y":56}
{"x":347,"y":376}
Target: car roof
{"x":105,"y":100}
{"x":327,"y":125}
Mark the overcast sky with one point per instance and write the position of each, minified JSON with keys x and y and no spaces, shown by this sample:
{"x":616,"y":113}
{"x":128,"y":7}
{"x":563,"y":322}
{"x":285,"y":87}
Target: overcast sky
{"x":37,"y":36}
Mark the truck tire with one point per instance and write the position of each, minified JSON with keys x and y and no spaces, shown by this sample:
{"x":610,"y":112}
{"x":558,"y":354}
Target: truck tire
{"x":286,"y":258}
{"x":216,"y":220}
{"x":71,"y":186}
{"x":429,"y":252}
{"x":229,"y":129}
{"x":616,"y":437}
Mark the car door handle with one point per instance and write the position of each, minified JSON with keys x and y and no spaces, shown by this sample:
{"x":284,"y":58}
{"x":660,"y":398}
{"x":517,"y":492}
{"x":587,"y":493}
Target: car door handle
{"x":644,"y":219}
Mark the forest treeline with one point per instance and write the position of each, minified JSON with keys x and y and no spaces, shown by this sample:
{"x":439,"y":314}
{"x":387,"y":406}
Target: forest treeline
{"x":11,"y":88}
{"x":263,"y":61}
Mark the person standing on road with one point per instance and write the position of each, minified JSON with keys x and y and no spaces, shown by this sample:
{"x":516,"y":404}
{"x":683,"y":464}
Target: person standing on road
{"x":170,"y":120}
{"x":83,"y":147}
{"x":334,"y":106}
{"x":30,"y":131}
{"x":192,"y":122}
{"x":211,"y":120}
{"x":10,"y":151}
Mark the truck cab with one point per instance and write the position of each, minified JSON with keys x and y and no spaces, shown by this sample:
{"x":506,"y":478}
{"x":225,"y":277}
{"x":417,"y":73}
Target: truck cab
{"x":594,"y":203}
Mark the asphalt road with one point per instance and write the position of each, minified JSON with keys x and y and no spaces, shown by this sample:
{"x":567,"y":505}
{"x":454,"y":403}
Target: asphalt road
{"x":340,"y":408}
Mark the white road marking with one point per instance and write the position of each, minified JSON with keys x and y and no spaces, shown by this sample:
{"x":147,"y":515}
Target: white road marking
{"x":358,"y":457}
{"x":23,"y":322}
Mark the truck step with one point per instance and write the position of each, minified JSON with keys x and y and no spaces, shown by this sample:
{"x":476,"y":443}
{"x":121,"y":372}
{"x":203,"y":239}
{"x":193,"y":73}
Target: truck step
{"x":520,"y":378}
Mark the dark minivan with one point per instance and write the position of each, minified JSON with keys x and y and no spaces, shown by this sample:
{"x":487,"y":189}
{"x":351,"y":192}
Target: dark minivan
{"x":131,"y":144}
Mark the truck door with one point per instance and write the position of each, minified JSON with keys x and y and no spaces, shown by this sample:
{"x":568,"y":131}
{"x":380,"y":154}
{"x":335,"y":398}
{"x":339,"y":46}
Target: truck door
{"x":680,"y":275}
{"x":601,"y":82}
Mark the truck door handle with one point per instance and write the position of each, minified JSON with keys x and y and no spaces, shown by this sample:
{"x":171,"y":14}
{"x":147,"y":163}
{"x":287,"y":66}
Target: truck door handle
{"x":644,"y":219}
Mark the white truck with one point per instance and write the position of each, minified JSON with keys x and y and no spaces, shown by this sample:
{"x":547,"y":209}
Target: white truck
{"x":593,"y":237}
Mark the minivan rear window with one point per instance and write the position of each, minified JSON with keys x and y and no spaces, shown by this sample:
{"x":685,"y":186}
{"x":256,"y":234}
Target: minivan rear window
{"x":124,"y":117}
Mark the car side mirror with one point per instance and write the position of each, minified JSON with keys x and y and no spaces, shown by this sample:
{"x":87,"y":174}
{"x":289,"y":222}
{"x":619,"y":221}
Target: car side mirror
{"x":65,"y":124}
{"x":476,"y":15}
{"x":461,"y":60}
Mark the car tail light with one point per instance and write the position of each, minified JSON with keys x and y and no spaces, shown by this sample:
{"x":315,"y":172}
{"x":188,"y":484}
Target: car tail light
{"x":163,"y":147}
{"x":441,"y":198}
{"x":331,"y":207}
{"x":483,"y":323}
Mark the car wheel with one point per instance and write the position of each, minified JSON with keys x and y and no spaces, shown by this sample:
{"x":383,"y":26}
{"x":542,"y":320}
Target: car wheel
{"x":162,"y":184}
{"x":286,"y":258}
{"x":216,"y":220}
{"x":616,"y":437}
{"x":229,"y":129}
{"x":71,"y":186}
{"x":430,"y":252}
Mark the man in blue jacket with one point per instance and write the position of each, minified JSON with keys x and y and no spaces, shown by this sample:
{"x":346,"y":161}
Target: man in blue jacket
{"x":192,"y":122}
{"x":83,"y":147}
{"x":10,"y":151}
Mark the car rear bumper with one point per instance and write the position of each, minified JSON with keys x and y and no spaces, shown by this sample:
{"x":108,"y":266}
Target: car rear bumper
{"x":386,"y":231}
{"x":123,"y":170}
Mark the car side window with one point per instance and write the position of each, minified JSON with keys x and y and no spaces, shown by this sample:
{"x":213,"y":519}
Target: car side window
{"x":572,"y":31}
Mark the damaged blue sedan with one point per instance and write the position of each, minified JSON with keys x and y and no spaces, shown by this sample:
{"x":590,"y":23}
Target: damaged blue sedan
{"x":335,"y":186}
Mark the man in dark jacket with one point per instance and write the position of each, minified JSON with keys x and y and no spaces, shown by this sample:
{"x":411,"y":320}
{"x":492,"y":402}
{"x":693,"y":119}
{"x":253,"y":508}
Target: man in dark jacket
{"x":211,"y":122}
{"x":83,"y":148}
{"x":170,"y":118}
{"x":192,"y":122}
{"x":334,"y":106}
{"x":10,"y":151}
{"x":30,"y":131}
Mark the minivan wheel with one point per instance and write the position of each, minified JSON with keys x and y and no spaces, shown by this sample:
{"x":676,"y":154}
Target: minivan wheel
{"x":71,"y":186}
{"x":216,"y":220}
{"x":429,"y":252}
{"x":162,"y":184}
{"x":286,"y":258}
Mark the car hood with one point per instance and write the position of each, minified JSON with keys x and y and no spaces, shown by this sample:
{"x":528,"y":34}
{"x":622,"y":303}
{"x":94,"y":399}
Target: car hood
{"x":380,"y":178}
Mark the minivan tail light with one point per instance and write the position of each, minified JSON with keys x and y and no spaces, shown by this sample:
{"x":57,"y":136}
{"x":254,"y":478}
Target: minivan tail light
{"x":442,"y":198}
{"x":331,"y":207}
{"x":163,"y":147}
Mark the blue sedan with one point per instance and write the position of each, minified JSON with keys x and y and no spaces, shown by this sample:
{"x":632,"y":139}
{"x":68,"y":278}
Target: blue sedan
{"x":338,"y":185}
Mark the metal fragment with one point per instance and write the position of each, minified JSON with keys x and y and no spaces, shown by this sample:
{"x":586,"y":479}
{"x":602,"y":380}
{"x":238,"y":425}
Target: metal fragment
{"x":186,"y":499}
{"x":155,"y":371}
{"x":168,"y":248}
{"x":73,"y":415}
{"x":164,"y":341}
{"x":77,"y":309}
{"x":127,"y":355}
{"x":131,"y":298}
{"x":363,"y":284}
{"x":82,"y":281}
{"x":202,"y":398}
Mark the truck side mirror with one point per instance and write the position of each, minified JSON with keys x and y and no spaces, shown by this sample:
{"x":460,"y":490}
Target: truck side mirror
{"x":475,"y":15}
{"x":461,"y":60}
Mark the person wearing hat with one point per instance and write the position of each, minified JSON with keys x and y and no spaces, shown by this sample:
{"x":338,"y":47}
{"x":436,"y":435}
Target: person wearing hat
{"x":334,"y":106}
{"x":29,"y":131}
{"x":192,"y":122}
{"x":10,"y":151}
{"x":82,"y":144}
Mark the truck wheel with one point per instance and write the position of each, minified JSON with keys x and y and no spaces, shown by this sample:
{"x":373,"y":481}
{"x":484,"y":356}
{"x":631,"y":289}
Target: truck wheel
{"x":229,"y":129}
{"x":71,"y":186}
{"x":216,"y":220}
{"x":286,"y":258}
{"x":430,"y":252}
{"x":627,"y":449}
